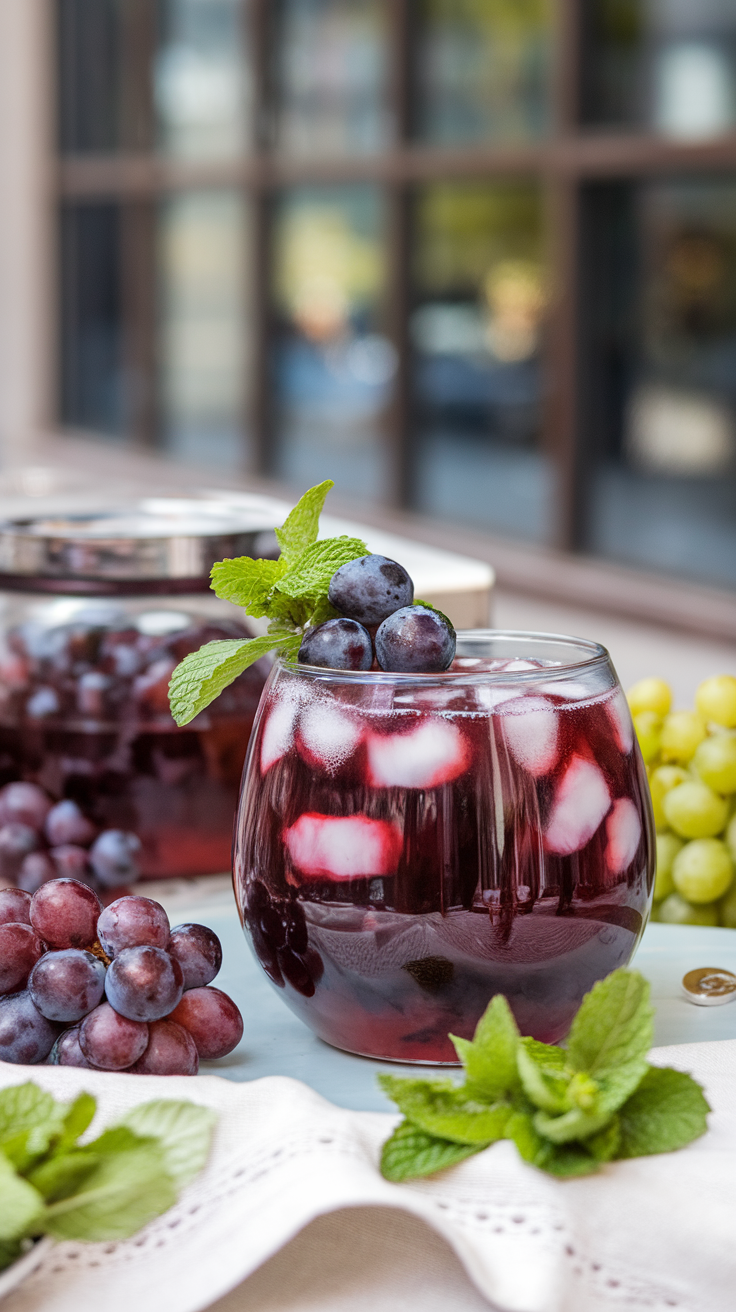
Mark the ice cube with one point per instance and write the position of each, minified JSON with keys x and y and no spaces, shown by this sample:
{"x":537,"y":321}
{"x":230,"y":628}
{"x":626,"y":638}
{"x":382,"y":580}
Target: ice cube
{"x":623,"y":829}
{"x":343,"y":847}
{"x":531,"y":729}
{"x":278,"y":734}
{"x":580,"y":804}
{"x":623,"y":729}
{"x":327,"y":736}
{"x":432,"y":754}
{"x":522,"y":665}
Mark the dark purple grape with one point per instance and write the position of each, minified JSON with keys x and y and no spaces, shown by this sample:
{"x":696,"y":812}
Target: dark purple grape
{"x":199,"y":953}
{"x":26,"y":1037}
{"x":16,"y":841}
{"x":25,"y":804}
{"x":65,"y":823}
{"x":132,"y":922}
{"x":110,"y":1041}
{"x":212,"y":1019}
{"x":66,"y":985}
{"x":71,"y":862}
{"x":171,"y":1051}
{"x":67,"y":1052}
{"x":36,"y":870}
{"x":415,"y":640}
{"x":144,"y":983}
{"x":370,"y":588}
{"x":65,"y":912}
{"x":20,"y":949}
{"x":113,"y":857}
{"x":15,"y":907}
{"x":337,"y":645}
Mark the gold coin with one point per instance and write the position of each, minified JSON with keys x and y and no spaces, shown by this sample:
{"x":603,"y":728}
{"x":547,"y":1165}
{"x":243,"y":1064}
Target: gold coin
{"x":709,"y":986}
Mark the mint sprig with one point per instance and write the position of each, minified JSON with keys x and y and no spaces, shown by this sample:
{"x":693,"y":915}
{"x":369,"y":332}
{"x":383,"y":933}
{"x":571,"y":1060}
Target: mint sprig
{"x":290,"y":592}
{"x":567,"y":1110}
{"x":103,"y":1189}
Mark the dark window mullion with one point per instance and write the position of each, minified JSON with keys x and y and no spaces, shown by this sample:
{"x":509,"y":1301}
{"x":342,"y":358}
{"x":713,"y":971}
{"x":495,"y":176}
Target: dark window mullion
{"x":260,"y":418}
{"x":400,"y":421}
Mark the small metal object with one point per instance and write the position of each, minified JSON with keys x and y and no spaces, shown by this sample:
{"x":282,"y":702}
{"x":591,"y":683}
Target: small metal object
{"x":709,"y":986}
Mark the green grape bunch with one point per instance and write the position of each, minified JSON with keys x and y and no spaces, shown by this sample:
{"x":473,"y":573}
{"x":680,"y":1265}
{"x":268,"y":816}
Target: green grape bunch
{"x":690,"y":758}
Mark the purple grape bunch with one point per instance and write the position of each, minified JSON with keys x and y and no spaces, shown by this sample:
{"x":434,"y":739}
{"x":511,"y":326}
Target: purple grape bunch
{"x":42,"y":840}
{"x":379,"y":626}
{"x":115,"y":989}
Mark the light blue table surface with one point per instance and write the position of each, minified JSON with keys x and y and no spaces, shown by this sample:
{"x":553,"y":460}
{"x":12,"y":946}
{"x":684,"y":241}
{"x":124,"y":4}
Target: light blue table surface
{"x":276,"y":1043}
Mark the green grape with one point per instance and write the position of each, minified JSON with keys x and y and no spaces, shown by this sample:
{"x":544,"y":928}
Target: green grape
{"x":648,"y":727}
{"x":650,"y":695}
{"x":703,"y":870}
{"x":682,"y":731}
{"x":668,"y":845}
{"x":676,"y":911}
{"x":716,"y":700}
{"x":661,"y":781}
{"x":715,"y":762}
{"x":693,"y":810}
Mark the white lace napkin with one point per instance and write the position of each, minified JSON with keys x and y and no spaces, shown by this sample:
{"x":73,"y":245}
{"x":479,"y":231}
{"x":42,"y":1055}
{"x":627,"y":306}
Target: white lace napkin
{"x":654,"y":1233}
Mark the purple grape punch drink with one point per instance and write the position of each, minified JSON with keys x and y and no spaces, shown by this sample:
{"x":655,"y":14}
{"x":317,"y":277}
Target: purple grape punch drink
{"x":408,"y":845}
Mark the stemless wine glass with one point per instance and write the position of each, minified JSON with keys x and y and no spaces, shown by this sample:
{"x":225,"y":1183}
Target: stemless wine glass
{"x":409,"y":845}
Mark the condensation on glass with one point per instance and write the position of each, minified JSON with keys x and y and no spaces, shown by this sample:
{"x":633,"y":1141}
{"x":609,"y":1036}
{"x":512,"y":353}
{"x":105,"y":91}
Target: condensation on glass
{"x":333,"y":365}
{"x":93,"y":391}
{"x":481,"y":291}
{"x":662,"y":375}
{"x":665,"y":64}
{"x":204,"y":276}
{"x":482,"y":69}
{"x":202,"y":79}
{"x":329,"y":76}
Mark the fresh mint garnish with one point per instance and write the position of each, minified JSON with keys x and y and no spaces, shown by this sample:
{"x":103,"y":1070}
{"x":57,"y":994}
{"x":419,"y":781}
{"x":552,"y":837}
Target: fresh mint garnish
{"x":104,"y":1189}
{"x":290,"y":592}
{"x":567,"y":1110}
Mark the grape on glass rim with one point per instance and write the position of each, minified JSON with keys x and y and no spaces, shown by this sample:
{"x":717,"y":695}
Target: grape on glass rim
{"x":20,"y":949}
{"x":415,"y":640}
{"x":171,"y":1050}
{"x":132,"y":922}
{"x":198,"y":951}
{"x":339,"y":644}
{"x":64,"y":913}
{"x":212,"y":1019}
{"x":370,"y":589}
{"x":144,"y":983}
{"x":67,"y":984}
{"x":110,"y":1041}
{"x":67,"y":1052}
{"x":26,"y":1037}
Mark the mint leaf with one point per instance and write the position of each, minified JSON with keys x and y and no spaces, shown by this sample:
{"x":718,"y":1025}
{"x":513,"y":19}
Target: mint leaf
{"x":126,"y":1190}
{"x":667,"y":1111}
{"x":410,"y":1153}
{"x":310,"y":575}
{"x":20,"y":1203}
{"x":202,"y":675}
{"x":575,"y":1124}
{"x":323,"y":611}
{"x":614,"y":1025}
{"x":77,"y":1119}
{"x":545,"y":1084}
{"x":10,"y":1251}
{"x":442,"y":1109}
{"x":183,"y":1130}
{"x":24,"y":1107}
{"x":490,"y":1060}
{"x":246,"y":582}
{"x":62,"y":1175}
{"x":301,"y":526}
{"x":570,"y":1161}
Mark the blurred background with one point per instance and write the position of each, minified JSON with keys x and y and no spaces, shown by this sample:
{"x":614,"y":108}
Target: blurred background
{"x":473,"y":259}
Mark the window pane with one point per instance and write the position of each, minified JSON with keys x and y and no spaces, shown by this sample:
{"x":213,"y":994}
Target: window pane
{"x":89,"y":69}
{"x":665,"y":64}
{"x":481,"y":289}
{"x":663,"y":376}
{"x":201,"y":79}
{"x":92,"y":373}
{"x":333,"y":365}
{"x":482,"y":69}
{"x":330,"y":74}
{"x":203,"y":340}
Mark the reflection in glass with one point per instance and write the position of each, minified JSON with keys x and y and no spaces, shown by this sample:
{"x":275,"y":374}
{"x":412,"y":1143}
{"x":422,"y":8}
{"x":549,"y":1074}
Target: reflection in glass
{"x":333,"y":365}
{"x":663,"y":423}
{"x":481,"y":290}
{"x":482,"y":69}
{"x":91,"y":337}
{"x":666,"y":64}
{"x":203,"y":341}
{"x":330,"y":74}
{"x":201,"y":79}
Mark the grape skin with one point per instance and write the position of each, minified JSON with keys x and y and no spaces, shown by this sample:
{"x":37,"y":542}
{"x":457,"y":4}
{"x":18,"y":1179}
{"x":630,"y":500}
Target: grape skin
{"x":694,"y":811}
{"x":415,"y":640}
{"x":702,"y":871}
{"x":370,"y":589}
{"x":66,"y":985}
{"x":65,"y":912}
{"x":110,"y":1041}
{"x":67,"y":1052}
{"x":37,"y":869}
{"x":337,"y":645}
{"x":15,"y":907}
{"x":65,"y":823}
{"x":144,"y":983}
{"x":113,"y":858}
{"x":25,"y":804}
{"x":16,"y":842}
{"x":212,"y":1019}
{"x":198,"y":951}
{"x":132,"y":922}
{"x":20,"y":949}
{"x":171,"y":1051}
{"x":26,"y":1037}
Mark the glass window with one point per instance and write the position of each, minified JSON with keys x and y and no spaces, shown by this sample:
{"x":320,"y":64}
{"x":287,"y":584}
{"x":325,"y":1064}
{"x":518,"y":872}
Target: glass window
{"x":91,"y":337}
{"x":662,"y":375}
{"x":203,"y":337}
{"x":665,"y":64}
{"x":89,"y":50}
{"x":482,"y":69}
{"x":481,"y":290}
{"x":333,"y":364}
{"x":201,"y":79}
{"x":330,"y":73}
